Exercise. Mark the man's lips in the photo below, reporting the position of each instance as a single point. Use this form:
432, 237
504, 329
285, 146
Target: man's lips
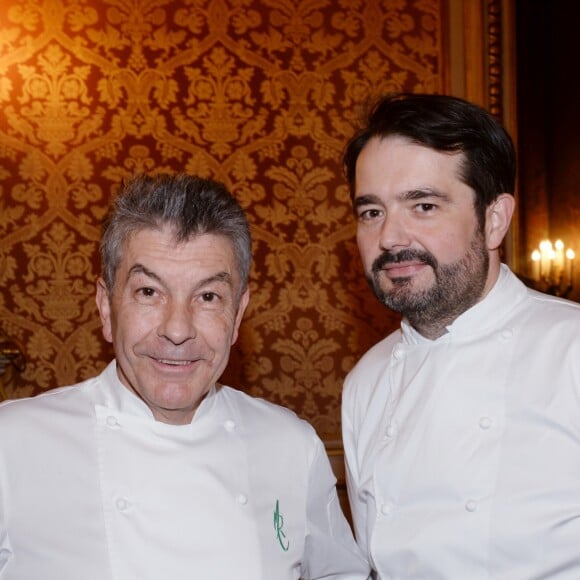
176, 364
403, 269
404, 264
173, 362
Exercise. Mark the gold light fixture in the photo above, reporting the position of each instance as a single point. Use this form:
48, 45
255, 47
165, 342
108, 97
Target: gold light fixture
553, 267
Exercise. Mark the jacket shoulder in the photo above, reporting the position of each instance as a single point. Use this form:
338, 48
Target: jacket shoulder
375, 359
46, 406
261, 414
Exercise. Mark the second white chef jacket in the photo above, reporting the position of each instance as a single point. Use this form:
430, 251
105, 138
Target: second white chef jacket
463, 452
93, 488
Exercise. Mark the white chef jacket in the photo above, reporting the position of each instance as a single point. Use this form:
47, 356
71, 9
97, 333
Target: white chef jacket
463, 453
93, 488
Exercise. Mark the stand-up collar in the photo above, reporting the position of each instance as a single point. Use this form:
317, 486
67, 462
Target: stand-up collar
119, 398
505, 295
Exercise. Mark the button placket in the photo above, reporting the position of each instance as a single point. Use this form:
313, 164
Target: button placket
230, 426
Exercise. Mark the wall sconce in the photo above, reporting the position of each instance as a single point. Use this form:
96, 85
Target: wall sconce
553, 268
10, 355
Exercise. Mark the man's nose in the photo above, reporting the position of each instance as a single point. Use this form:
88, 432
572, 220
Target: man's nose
177, 324
394, 232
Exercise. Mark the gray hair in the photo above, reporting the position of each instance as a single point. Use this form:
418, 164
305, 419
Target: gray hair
190, 205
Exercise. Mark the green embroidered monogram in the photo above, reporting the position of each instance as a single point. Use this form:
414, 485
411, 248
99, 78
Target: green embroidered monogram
278, 526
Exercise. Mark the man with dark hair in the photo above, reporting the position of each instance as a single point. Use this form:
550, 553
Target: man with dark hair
461, 429
153, 470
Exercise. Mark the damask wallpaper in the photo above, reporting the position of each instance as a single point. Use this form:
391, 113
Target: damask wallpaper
259, 94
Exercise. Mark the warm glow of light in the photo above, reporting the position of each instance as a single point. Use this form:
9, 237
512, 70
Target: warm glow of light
553, 265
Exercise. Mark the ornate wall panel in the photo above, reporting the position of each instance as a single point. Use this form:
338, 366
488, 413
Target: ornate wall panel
260, 94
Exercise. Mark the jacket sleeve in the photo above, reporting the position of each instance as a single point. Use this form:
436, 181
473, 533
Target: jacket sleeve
357, 505
6, 552
330, 550
5, 548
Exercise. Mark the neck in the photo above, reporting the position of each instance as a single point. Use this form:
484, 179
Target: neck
431, 331
436, 326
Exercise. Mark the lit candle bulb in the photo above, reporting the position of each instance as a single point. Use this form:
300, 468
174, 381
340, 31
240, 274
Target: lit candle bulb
558, 259
570, 255
536, 257
553, 274
545, 254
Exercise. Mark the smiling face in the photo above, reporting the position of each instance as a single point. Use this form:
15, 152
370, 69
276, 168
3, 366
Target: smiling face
423, 250
172, 317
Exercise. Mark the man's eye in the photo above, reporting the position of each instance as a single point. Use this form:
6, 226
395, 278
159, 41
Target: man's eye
369, 214
425, 207
209, 297
147, 292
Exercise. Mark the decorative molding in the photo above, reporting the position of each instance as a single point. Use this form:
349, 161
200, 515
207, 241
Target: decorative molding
494, 58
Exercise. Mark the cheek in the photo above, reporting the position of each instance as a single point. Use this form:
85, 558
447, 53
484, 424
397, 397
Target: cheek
449, 247
133, 324
217, 332
367, 247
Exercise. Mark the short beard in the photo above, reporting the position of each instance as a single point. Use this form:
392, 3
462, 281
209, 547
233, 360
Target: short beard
457, 287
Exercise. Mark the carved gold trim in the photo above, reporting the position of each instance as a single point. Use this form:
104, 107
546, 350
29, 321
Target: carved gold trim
494, 57
481, 68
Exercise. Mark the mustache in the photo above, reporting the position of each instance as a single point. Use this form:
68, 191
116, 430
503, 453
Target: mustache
406, 255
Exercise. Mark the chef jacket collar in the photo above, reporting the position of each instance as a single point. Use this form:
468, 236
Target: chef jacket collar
118, 397
491, 312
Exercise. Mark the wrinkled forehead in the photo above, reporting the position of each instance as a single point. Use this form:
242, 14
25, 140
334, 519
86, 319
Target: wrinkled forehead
166, 241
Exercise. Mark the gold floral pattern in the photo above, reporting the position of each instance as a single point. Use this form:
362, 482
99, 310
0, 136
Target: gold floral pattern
259, 94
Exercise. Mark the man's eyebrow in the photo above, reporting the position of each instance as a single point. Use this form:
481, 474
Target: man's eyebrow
409, 195
422, 193
224, 277
138, 268
366, 200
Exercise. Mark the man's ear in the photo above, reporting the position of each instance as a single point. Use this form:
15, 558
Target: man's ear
498, 217
104, 306
242, 305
